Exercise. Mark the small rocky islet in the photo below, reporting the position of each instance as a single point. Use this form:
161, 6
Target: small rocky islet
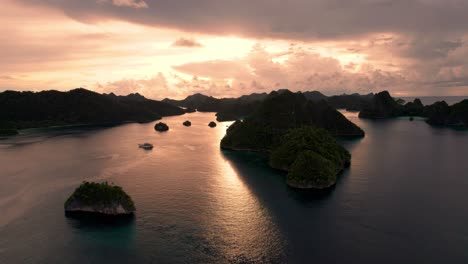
99, 199
212, 124
187, 123
161, 127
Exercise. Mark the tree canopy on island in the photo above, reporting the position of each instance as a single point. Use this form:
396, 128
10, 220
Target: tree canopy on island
102, 194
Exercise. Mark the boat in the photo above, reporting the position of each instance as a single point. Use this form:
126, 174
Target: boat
146, 146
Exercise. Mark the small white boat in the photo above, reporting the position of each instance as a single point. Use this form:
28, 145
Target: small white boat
146, 146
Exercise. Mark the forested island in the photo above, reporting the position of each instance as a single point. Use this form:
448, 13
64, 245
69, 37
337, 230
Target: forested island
296, 134
21, 110
383, 106
370, 106
99, 199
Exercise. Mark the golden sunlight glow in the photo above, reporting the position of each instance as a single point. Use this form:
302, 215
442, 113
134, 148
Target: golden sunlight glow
47, 48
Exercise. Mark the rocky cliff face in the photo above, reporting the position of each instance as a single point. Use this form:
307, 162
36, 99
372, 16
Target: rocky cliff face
99, 208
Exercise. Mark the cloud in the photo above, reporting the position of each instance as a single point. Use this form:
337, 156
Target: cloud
154, 87
411, 46
6, 77
301, 71
125, 3
215, 69
187, 43
296, 19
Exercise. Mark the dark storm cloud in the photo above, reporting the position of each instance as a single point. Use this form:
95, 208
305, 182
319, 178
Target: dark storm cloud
293, 19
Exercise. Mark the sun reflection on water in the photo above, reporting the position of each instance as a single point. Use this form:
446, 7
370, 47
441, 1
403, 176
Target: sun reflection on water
246, 224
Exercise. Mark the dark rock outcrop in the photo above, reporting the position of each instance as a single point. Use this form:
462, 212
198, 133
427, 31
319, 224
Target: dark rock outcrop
382, 106
441, 114
350, 102
314, 96
187, 123
415, 108
212, 124
161, 127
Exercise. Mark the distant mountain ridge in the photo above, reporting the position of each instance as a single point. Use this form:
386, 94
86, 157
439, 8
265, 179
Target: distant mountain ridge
229, 109
372, 106
383, 106
20, 110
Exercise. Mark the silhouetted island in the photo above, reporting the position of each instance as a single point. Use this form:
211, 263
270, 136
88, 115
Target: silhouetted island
8, 132
382, 106
187, 123
280, 112
212, 124
438, 114
20, 110
99, 199
231, 109
161, 127
227, 109
441, 114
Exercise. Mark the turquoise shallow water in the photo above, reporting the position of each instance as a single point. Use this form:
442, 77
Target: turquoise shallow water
402, 201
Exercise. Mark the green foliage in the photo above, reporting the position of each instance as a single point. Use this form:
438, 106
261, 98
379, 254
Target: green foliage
248, 136
312, 170
298, 135
308, 138
282, 111
312, 157
92, 193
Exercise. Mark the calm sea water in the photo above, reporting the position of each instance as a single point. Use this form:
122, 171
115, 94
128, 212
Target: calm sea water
404, 199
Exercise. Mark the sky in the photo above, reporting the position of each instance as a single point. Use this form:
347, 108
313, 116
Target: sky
224, 48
